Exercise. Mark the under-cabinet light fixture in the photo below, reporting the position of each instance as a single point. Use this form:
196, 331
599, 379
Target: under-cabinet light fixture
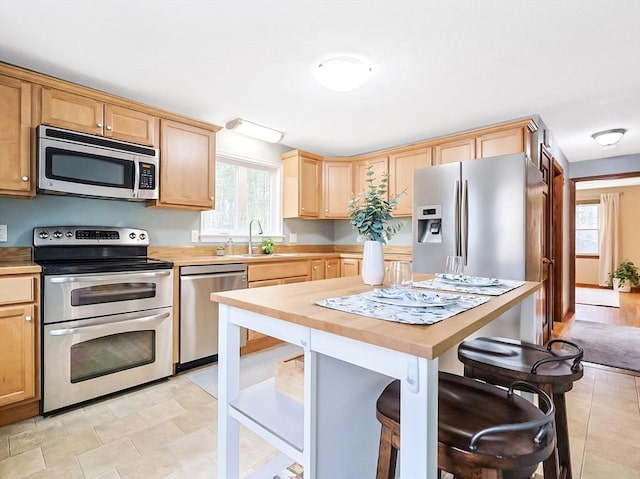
254, 130
609, 137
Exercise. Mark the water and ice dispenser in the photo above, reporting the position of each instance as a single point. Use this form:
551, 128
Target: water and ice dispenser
430, 224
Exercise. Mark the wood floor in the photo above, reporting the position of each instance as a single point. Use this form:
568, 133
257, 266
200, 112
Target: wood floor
628, 314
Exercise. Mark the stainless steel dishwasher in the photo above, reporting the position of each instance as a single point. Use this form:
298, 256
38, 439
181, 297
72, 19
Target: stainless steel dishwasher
199, 315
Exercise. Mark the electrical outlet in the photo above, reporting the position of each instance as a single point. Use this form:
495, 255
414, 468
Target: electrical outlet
3, 233
293, 238
195, 236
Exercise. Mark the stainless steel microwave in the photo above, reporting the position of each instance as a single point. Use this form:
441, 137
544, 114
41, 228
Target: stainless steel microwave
79, 164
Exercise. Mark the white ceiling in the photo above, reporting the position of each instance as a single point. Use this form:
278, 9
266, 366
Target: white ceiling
439, 66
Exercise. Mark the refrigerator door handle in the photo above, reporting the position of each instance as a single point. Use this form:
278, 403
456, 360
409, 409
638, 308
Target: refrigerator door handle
456, 209
464, 223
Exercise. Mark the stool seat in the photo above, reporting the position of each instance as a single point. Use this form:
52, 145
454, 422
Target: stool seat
465, 407
501, 361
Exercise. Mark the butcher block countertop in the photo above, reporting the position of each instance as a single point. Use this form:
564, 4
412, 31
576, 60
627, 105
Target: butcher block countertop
294, 303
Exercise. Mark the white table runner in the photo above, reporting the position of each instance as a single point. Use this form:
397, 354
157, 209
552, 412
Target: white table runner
403, 306
490, 286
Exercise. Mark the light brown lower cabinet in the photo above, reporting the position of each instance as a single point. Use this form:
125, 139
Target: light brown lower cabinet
19, 347
272, 274
332, 268
349, 267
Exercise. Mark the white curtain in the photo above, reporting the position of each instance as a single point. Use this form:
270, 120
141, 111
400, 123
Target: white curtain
609, 236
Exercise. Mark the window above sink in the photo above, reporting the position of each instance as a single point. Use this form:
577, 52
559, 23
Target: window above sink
245, 189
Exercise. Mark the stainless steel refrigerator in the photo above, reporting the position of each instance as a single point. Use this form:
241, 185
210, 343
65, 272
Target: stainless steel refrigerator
489, 211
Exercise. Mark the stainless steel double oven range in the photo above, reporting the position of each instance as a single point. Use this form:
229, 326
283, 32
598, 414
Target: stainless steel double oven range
106, 312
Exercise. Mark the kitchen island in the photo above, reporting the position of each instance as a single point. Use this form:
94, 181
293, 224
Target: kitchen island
348, 360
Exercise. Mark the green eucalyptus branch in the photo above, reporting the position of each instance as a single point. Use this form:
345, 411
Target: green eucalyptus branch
370, 212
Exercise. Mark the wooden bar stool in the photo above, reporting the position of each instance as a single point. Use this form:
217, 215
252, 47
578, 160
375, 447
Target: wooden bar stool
484, 432
501, 361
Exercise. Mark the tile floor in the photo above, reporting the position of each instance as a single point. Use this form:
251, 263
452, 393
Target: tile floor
168, 430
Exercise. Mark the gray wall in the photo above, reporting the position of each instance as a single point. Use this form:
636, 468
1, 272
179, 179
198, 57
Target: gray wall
605, 166
166, 227
343, 233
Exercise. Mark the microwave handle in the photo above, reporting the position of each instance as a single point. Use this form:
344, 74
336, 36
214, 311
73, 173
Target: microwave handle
136, 178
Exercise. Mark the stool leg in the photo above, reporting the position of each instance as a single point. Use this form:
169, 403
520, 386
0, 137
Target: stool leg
562, 431
550, 465
387, 455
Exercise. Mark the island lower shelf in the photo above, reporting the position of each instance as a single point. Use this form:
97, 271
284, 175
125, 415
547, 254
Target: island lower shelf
274, 416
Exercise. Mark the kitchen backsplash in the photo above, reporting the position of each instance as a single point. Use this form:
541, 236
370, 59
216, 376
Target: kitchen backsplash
166, 227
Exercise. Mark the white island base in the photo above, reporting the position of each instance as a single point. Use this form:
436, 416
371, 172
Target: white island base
334, 433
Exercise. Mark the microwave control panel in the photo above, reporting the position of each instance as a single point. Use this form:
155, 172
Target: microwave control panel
147, 176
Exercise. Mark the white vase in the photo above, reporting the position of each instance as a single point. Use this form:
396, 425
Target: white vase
372, 263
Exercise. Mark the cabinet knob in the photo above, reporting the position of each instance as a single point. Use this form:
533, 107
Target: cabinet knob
211, 198
326, 211
25, 178
109, 128
99, 125
302, 209
28, 318
329, 266
315, 266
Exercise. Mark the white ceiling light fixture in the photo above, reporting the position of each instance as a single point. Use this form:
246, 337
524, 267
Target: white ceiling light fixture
343, 73
254, 130
609, 137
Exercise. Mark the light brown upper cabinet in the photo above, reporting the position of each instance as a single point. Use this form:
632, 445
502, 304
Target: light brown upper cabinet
17, 169
401, 168
187, 166
454, 151
379, 165
302, 174
337, 188
81, 113
502, 142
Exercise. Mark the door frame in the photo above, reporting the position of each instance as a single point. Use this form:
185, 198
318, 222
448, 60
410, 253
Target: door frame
572, 229
557, 215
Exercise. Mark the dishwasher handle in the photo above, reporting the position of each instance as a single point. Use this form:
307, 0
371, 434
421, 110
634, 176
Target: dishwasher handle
194, 277
209, 269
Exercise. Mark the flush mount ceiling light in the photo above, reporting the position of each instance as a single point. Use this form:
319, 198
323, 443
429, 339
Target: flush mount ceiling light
254, 130
609, 137
343, 73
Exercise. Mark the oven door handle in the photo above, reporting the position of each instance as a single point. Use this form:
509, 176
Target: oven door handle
98, 327
76, 279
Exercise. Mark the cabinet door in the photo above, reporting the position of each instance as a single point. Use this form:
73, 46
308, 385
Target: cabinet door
310, 184
349, 267
332, 269
17, 349
15, 153
401, 168
379, 166
337, 188
500, 143
454, 151
187, 166
317, 269
130, 125
75, 112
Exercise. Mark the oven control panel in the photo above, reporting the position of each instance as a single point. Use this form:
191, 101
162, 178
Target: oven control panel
89, 235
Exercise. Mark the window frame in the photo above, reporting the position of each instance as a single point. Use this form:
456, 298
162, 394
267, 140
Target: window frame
276, 197
582, 203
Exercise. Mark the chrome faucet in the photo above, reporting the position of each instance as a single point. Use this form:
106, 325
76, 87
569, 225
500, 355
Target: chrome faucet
259, 232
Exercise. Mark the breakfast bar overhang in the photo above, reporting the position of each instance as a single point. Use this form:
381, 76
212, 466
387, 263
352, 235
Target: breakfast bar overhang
348, 360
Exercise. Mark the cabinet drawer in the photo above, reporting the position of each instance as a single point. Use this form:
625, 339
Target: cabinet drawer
259, 272
17, 290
